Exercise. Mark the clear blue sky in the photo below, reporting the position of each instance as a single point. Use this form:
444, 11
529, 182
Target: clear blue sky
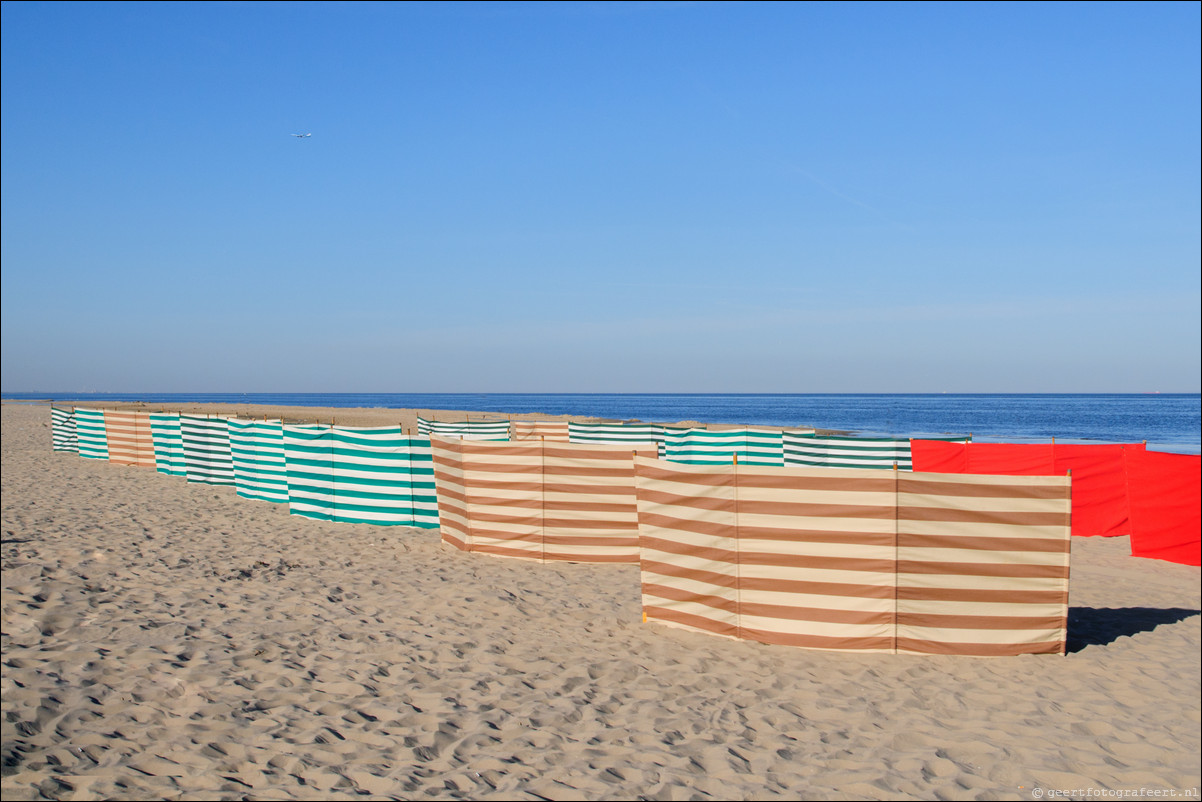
659, 197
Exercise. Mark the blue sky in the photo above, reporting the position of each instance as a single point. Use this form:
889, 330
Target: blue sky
588, 197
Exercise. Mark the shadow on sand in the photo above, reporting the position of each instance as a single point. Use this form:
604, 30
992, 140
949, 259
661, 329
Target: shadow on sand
1098, 626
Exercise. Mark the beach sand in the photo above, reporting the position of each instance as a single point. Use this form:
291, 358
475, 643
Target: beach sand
171, 640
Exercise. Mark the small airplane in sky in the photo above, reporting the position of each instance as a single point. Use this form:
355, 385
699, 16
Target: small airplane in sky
301, 136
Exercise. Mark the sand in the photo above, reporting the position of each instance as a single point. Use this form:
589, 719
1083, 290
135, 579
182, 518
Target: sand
171, 640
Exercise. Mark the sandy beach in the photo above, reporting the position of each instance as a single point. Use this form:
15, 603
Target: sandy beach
171, 640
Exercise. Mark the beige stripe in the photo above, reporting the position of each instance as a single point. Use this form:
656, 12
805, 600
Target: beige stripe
965, 484
920, 501
875, 601
951, 556
952, 530
817, 550
839, 644
783, 526
1017, 605
720, 574
1046, 580
981, 636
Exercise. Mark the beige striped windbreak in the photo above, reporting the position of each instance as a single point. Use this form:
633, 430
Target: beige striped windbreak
538, 500
556, 431
982, 563
129, 438
856, 559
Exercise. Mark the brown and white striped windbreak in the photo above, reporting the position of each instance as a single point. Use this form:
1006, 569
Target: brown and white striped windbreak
556, 431
129, 438
538, 500
857, 559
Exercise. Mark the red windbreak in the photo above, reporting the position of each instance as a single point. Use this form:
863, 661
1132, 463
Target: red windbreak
1166, 505
1012, 459
1100, 504
938, 456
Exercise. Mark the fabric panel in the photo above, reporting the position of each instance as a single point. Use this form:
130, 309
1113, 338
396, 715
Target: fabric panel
687, 538
62, 430
90, 433
555, 431
464, 430
129, 439
983, 564
206, 445
1166, 505
257, 451
168, 442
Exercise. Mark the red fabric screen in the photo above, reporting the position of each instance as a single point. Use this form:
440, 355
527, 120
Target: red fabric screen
1100, 503
938, 456
1100, 500
1166, 505
1013, 459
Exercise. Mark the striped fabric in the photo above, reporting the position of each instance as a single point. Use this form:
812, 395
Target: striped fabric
552, 431
89, 430
538, 500
634, 434
856, 559
490, 496
168, 443
450, 484
309, 466
706, 447
983, 564
206, 443
257, 451
464, 430
62, 430
777, 555
360, 475
820, 451
129, 438
590, 507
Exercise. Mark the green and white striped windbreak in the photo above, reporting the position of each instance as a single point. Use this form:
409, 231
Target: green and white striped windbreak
168, 444
823, 451
631, 434
207, 449
257, 450
704, 447
360, 475
91, 434
464, 430
62, 430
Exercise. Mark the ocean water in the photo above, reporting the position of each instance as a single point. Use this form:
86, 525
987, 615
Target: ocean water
1170, 422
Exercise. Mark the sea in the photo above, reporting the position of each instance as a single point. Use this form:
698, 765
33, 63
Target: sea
1165, 421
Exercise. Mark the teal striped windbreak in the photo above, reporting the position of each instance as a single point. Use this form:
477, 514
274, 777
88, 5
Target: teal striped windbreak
631, 434
360, 475
704, 447
823, 451
90, 433
168, 443
464, 430
62, 430
257, 451
207, 449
